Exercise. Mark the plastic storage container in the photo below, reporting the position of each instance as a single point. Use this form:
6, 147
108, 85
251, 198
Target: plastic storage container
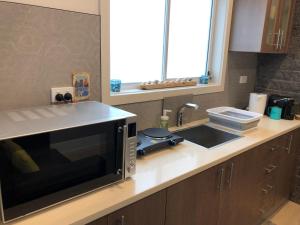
234, 118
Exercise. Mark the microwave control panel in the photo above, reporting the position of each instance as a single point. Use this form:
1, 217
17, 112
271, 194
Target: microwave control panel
130, 160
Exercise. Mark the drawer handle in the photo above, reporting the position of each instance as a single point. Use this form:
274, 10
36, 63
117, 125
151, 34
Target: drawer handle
273, 149
262, 212
270, 169
267, 191
122, 220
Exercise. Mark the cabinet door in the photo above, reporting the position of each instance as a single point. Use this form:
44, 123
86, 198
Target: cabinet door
285, 23
101, 221
271, 37
148, 211
195, 201
239, 204
287, 166
296, 169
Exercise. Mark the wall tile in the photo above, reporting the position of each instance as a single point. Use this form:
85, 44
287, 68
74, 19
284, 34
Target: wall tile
41, 47
148, 113
174, 104
235, 94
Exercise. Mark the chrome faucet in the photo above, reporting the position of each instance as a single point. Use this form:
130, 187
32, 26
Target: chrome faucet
181, 111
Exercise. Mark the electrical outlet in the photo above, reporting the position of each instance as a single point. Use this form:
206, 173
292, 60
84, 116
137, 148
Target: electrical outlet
243, 79
60, 90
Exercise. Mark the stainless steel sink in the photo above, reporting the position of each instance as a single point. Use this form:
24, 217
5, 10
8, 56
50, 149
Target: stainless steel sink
206, 136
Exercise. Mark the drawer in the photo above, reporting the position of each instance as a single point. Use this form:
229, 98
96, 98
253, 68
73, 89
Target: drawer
267, 191
267, 170
266, 202
283, 141
269, 152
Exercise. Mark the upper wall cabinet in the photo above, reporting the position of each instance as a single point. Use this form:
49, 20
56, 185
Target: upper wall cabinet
262, 25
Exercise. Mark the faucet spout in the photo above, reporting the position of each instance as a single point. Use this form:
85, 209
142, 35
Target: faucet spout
181, 111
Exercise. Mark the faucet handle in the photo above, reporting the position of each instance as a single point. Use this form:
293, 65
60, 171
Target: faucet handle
181, 110
192, 105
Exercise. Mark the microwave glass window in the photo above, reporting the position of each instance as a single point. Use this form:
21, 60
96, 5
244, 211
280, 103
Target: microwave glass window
78, 159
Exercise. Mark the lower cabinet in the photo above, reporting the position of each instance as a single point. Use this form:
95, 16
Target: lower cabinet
148, 211
245, 190
195, 200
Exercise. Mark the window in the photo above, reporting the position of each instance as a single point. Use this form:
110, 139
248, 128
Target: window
144, 40
189, 32
159, 39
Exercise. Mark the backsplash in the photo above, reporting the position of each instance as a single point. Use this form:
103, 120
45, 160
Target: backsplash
40, 48
280, 74
235, 94
43, 46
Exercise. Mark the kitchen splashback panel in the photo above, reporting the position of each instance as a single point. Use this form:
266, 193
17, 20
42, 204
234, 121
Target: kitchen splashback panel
40, 49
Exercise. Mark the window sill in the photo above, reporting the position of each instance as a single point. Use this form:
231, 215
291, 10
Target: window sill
137, 95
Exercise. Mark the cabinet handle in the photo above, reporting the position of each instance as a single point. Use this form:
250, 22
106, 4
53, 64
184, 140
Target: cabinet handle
221, 179
278, 39
273, 149
262, 212
122, 220
265, 191
281, 39
231, 175
290, 144
270, 169
270, 187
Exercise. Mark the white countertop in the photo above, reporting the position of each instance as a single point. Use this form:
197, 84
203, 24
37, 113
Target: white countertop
154, 173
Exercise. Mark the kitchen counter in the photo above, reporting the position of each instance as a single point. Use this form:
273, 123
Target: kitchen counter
155, 172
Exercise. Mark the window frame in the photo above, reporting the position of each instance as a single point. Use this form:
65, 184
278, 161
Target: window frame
217, 60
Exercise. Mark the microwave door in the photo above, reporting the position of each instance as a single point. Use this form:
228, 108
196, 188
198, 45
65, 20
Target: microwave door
59, 165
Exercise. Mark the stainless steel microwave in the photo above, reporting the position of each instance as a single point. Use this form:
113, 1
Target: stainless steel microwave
54, 153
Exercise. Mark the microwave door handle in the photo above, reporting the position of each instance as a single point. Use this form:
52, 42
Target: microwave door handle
125, 135
121, 130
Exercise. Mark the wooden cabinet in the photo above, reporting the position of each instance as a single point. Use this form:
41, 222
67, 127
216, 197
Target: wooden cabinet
149, 211
287, 167
244, 190
265, 177
285, 23
195, 201
295, 196
262, 25
230, 194
237, 198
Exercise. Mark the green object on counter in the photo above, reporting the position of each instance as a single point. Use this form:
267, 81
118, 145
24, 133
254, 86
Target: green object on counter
275, 112
164, 119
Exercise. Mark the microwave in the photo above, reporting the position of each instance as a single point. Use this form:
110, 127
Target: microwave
54, 153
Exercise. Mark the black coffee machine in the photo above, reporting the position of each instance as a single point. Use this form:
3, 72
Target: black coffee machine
286, 103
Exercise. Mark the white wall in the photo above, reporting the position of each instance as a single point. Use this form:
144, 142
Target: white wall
85, 6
